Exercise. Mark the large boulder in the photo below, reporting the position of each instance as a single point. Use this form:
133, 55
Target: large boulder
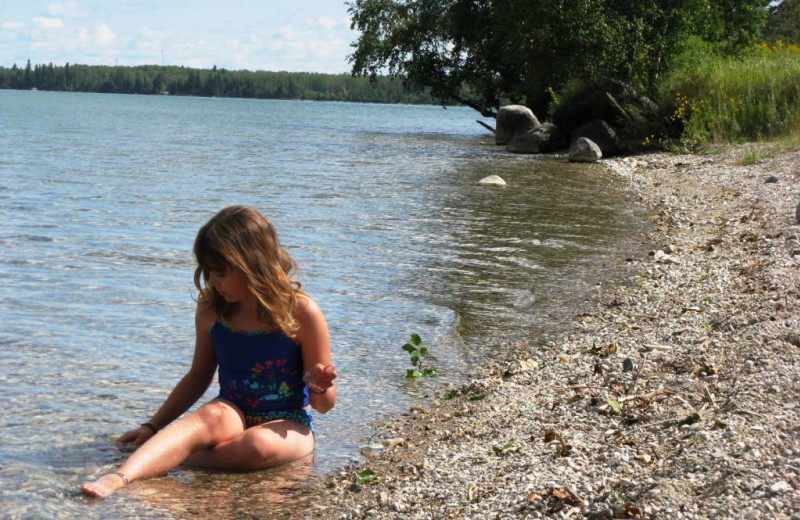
584, 150
514, 120
602, 134
525, 143
550, 138
545, 138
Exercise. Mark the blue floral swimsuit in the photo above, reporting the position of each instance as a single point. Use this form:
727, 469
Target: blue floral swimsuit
262, 374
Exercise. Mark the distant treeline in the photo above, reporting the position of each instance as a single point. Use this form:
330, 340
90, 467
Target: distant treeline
183, 81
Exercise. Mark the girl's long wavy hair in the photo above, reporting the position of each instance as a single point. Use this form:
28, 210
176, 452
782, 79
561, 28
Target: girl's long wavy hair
240, 237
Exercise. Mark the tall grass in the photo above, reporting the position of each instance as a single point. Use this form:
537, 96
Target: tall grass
756, 96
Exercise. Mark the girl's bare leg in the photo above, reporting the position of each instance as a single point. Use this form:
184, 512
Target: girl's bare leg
212, 424
270, 444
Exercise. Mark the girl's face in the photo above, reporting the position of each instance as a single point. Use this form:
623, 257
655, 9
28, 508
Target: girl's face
230, 283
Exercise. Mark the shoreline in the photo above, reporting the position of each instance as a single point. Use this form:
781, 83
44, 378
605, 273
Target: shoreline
674, 393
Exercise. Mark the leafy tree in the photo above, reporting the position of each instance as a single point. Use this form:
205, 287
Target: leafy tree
784, 22
482, 52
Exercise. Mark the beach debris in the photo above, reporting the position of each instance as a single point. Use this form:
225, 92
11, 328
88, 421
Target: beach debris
395, 441
507, 448
563, 449
605, 351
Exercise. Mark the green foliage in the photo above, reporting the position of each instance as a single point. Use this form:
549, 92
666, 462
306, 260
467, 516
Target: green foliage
480, 52
450, 394
506, 449
718, 98
616, 406
417, 353
183, 81
366, 477
750, 158
784, 22
629, 112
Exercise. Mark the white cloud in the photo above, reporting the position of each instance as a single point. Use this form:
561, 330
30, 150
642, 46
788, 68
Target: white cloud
13, 26
153, 34
67, 9
104, 36
324, 23
48, 23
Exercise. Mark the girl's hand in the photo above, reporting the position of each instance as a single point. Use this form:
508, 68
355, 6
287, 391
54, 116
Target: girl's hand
320, 378
136, 437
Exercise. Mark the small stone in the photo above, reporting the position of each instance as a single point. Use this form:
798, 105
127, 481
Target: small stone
780, 487
601, 513
771, 180
729, 434
749, 365
669, 249
615, 459
492, 180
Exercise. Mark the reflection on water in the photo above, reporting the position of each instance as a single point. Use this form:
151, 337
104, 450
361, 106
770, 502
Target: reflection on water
272, 493
100, 199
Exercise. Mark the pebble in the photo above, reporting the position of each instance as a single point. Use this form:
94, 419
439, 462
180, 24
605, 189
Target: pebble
780, 487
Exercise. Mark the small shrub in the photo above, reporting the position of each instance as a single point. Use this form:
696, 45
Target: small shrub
417, 353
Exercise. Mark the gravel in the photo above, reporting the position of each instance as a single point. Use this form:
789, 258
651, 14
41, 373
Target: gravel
675, 394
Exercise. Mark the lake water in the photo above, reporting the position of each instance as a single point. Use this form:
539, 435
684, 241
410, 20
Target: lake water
100, 199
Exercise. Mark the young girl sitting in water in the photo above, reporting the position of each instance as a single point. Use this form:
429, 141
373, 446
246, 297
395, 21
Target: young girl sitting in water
270, 342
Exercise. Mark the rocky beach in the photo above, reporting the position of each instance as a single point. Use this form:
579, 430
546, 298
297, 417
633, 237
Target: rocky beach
674, 394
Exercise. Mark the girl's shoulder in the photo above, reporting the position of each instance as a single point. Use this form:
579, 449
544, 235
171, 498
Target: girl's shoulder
206, 316
306, 309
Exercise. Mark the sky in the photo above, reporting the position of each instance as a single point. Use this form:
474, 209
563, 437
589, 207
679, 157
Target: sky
275, 35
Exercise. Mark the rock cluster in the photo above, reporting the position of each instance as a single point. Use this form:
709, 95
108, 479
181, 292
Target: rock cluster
676, 393
521, 132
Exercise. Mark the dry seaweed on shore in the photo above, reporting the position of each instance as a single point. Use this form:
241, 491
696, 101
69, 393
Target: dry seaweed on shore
674, 395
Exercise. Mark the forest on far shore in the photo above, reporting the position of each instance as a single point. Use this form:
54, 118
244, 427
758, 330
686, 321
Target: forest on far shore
217, 82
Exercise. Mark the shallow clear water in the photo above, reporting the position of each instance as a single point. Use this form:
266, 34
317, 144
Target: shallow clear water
100, 198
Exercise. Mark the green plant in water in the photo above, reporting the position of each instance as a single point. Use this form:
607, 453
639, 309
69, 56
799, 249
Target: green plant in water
417, 352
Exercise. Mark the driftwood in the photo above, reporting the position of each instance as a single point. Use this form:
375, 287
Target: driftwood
489, 128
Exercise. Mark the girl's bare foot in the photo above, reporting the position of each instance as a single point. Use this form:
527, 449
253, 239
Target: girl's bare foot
105, 485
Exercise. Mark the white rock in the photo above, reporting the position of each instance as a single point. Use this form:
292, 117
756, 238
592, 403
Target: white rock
780, 486
492, 180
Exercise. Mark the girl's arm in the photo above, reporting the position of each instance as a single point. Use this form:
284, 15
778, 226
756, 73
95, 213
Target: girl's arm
315, 344
190, 388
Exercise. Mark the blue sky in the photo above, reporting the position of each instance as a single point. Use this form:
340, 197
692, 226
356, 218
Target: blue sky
295, 35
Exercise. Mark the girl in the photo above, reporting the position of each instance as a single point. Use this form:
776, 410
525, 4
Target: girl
270, 342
